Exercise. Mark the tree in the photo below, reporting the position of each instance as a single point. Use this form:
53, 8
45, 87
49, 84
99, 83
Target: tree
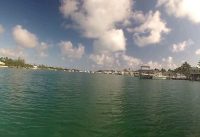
15, 62
163, 70
169, 70
184, 69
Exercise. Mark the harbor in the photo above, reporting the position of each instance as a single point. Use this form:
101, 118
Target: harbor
184, 72
99, 68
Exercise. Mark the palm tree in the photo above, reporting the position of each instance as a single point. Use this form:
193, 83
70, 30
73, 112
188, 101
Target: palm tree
184, 69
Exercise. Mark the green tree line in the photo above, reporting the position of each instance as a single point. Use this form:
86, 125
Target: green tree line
15, 62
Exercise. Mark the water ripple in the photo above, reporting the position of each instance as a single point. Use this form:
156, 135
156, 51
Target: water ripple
60, 104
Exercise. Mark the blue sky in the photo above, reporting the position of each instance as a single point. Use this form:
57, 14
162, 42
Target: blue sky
101, 34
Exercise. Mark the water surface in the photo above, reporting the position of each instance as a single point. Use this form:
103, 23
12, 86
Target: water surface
60, 104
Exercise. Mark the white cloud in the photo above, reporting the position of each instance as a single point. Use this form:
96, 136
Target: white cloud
120, 60
151, 30
130, 62
189, 9
68, 7
98, 18
42, 49
1, 29
100, 21
69, 51
181, 46
197, 52
24, 38
11, 53
168, 63
117, 60
154, 65
102, 59
112, 40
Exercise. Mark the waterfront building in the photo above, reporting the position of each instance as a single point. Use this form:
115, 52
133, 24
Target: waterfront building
195, 74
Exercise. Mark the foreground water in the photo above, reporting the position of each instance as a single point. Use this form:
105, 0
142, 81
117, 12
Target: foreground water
60, 104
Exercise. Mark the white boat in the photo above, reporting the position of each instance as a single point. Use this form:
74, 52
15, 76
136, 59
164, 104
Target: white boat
159, 76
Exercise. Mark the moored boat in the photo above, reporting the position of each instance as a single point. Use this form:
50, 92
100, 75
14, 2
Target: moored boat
159, 76
145, 72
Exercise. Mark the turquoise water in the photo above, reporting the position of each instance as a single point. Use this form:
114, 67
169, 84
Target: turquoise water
60, 104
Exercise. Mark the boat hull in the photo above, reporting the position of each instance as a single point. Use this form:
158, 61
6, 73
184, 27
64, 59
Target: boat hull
146, 77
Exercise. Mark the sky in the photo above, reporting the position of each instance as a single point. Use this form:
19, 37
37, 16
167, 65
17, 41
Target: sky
101, 34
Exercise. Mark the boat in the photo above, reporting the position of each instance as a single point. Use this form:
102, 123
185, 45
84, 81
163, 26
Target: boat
145, 76
145, 72
159, 76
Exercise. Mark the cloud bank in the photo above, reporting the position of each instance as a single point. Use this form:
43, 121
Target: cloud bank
117, 60
12, 53
167, 63
103, 22
98, 19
